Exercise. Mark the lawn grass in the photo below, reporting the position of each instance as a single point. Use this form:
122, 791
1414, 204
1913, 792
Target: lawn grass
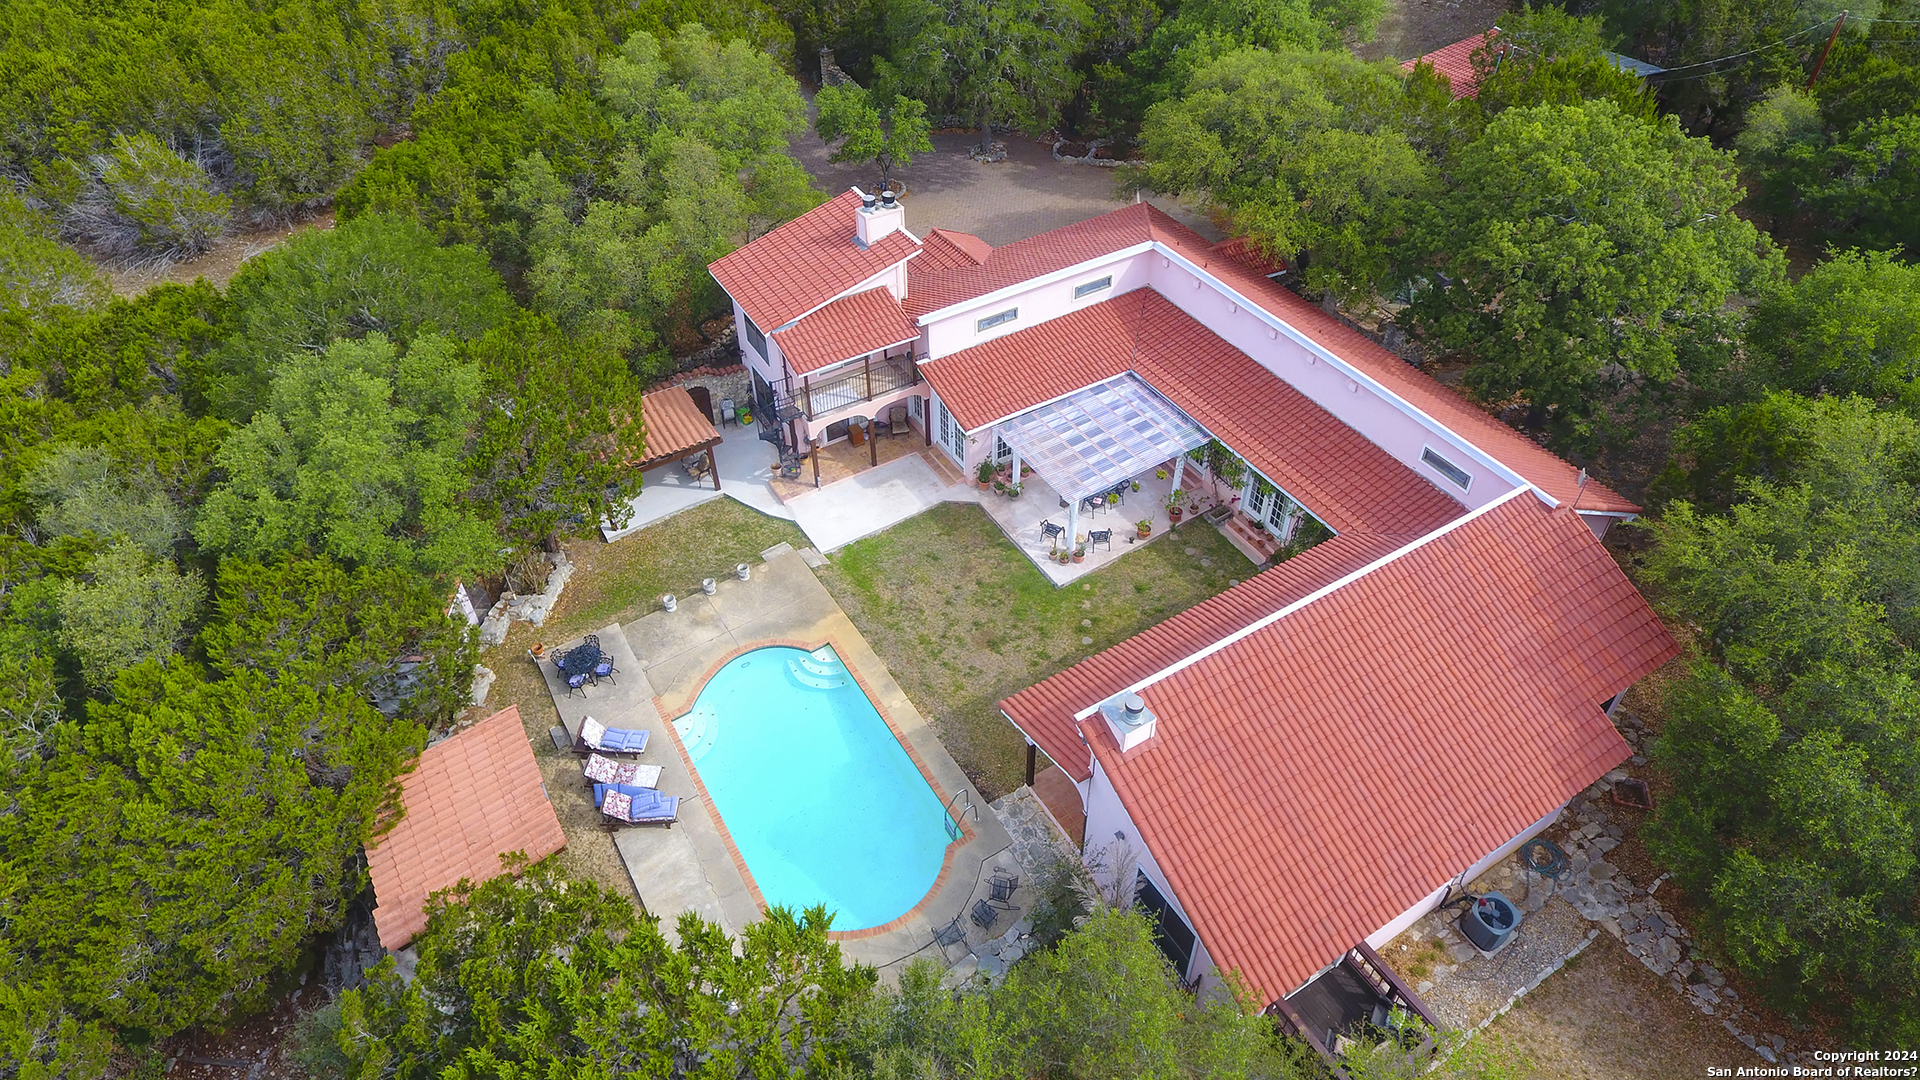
963, 619
621, 581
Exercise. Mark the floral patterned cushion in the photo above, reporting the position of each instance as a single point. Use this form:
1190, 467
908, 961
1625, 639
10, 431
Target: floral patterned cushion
592, 732
617, 806
602, 770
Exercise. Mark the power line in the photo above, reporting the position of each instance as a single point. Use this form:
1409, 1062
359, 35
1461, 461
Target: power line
1662, 76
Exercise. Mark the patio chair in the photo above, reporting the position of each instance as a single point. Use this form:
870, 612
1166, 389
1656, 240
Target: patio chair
605, 670
985, 914
1052, 533
597, 737
600, 770
894, 423
1001, 885
1100, 536
620, 809
951, 934
631, 791
728, 414
576, 681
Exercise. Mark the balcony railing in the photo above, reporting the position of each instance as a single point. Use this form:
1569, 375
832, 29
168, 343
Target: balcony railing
814, 398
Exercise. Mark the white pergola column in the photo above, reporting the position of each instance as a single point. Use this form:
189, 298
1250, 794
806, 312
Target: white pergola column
1016, 464
1073, 524
1179, 469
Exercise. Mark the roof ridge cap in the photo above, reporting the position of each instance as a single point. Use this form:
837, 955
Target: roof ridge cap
1325, 590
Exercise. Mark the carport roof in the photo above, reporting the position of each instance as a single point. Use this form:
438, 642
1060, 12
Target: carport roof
1107, 434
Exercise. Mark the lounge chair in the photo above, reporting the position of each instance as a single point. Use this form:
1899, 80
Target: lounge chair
622, 809
632, 791
596, 736
600, 770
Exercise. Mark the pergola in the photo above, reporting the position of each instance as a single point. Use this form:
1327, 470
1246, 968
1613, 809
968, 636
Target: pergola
1090, 442
676, 428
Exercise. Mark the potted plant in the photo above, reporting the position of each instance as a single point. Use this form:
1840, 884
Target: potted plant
984, 474
539, 650
1113, 498
1145, 527
1013, 491
1173, 504
1158, 474
1079, 554
1136, 486
999, 485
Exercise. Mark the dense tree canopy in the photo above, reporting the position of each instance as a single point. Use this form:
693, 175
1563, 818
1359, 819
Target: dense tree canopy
887, 132
1792, 745
373, 275
990, 62
1310, 153
1576, 246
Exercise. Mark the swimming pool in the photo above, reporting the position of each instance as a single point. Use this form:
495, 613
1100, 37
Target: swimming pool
821, 799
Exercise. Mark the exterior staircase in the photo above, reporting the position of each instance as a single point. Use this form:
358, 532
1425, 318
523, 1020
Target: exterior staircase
1253, 541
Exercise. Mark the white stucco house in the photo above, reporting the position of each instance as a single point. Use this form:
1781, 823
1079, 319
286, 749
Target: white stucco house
1295, 770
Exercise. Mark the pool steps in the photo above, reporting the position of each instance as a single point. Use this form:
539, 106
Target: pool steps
698, 732
821, 670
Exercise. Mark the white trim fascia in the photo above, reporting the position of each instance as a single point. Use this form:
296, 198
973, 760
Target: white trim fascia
1261, 624
1091, 760
850, 359
868, 285
1626, 514
1026, 284
1408, 408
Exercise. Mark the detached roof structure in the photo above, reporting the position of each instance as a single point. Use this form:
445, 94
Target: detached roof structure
1380, 725
675, 426
1455, 61
471, 798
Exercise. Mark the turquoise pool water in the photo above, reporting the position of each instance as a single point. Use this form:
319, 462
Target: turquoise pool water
821, 799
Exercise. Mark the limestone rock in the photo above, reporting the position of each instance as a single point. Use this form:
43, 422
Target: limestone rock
482, 683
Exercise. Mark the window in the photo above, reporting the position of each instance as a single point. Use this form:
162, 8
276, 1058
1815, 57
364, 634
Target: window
1093, 286
754, 336
1445, 468
981, 326
1170, 932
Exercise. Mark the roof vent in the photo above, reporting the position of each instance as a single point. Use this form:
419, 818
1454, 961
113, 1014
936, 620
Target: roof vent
1130, 719
867, 201
887, 198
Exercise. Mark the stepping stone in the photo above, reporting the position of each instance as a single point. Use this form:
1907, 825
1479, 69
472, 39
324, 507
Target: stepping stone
562, 741
776, 551
811, 557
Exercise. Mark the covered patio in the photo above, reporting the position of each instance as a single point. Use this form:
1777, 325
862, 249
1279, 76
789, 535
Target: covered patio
1094, 464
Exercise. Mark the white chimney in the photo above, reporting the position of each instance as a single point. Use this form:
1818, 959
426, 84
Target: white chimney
1130, 720
877, 217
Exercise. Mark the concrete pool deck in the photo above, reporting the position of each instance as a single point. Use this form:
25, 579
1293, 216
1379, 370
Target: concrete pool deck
665, 658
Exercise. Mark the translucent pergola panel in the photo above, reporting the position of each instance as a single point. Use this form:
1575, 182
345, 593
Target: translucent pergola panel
1102, 436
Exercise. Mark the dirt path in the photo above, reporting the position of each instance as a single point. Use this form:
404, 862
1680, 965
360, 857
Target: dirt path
218, 265
1604, 1016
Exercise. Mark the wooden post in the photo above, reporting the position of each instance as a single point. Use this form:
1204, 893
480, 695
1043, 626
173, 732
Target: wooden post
813, 451
713, 468
866, 365
806, 387
1822, 62
873, 445
1031, 755
926, 419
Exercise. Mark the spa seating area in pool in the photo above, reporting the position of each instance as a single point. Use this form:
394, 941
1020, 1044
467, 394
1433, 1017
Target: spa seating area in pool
818, 713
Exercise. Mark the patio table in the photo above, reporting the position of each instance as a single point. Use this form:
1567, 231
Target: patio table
581, 659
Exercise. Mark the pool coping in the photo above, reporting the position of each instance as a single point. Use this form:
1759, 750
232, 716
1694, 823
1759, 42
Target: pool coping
947, 857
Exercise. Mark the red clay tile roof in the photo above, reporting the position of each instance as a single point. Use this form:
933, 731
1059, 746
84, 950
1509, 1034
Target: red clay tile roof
675, 425
1045, 710
932, 289
805, 263
1341, 476
1455, 61
470, 799
850, 326
1315, 779
947, 250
